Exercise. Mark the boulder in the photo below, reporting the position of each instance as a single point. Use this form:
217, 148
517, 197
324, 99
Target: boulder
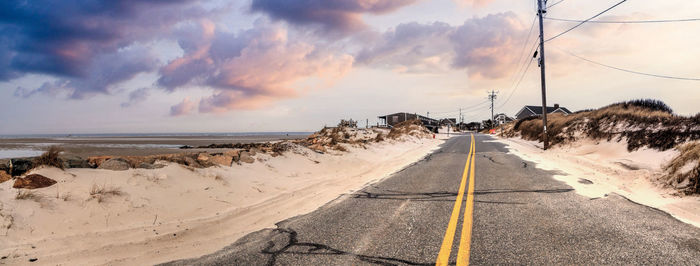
221, 160
246, 157
75, 162
96, 161
5, 165
4, 176
115, 164
253, 151
189, 161
21, 166
203, 158
33, 181
233, 152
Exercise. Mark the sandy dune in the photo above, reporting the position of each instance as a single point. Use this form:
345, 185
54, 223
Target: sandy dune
596, 169
149, 216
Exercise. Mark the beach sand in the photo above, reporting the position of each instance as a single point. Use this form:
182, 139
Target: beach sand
140, 216
597, 168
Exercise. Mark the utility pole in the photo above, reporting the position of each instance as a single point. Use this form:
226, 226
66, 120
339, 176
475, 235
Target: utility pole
492, 97
541, 6
461, 120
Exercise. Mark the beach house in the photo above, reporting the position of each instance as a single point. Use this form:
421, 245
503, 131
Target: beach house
533, 110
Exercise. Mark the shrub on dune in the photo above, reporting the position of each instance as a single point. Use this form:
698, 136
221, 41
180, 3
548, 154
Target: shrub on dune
642, 123
684, 171
50, 158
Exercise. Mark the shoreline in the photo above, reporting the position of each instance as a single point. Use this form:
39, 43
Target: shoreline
215, 205
126, 145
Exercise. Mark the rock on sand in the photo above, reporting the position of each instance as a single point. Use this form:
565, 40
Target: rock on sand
4, 176
115, 164
33, 181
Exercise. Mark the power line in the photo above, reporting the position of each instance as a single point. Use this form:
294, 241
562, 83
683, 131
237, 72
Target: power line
521, 63
522, 75
548, 7
472, 107
627, 70
517, 84
584, 21
628, 21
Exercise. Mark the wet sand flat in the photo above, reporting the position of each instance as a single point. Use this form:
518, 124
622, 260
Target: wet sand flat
128, 146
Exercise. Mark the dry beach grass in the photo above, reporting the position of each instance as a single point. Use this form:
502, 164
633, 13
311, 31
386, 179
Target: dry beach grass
638, 123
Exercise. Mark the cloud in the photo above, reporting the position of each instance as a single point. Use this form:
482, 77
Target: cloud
72, 39
331, 15
473, 3
183, 108
135, 97
251, 69
103, 72
486, 47
413, 47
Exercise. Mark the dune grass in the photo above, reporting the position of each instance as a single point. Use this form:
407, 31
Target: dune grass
685, 168
642, 123
100, 193
50, 158
24, 194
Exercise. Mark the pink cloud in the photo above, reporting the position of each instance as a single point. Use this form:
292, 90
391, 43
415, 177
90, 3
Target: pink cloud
182, 108
485, 46
473, 3
251, 69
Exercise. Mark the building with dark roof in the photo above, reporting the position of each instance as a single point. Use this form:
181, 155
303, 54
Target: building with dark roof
532, 110
392, 119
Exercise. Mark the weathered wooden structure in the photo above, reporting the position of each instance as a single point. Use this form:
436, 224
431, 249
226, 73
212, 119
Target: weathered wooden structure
392, 119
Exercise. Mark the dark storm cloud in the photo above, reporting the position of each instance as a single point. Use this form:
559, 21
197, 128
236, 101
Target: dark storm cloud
70, 38
331, 15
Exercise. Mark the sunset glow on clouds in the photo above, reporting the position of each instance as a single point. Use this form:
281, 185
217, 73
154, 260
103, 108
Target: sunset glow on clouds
192, 58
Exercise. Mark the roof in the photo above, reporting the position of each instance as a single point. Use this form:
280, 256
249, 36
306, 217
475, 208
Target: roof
538, 109
411, 114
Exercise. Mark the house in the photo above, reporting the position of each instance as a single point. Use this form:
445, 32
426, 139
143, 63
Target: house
531, 110
452, 122
503, 119
473, 126
393, 119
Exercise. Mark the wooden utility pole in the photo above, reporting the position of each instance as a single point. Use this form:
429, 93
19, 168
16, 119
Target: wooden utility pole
541, 9
492, 97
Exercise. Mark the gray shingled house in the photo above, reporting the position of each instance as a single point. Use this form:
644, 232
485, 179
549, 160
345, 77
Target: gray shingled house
532, 110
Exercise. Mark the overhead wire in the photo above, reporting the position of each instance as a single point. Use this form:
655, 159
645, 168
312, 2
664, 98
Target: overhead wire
522, 75
464, 109
549, 6
627, 70
627, 21
584, 21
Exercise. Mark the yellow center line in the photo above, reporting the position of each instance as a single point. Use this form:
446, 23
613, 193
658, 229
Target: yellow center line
446, 248
466, 238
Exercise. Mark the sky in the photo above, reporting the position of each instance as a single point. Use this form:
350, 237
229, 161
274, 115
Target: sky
153, 66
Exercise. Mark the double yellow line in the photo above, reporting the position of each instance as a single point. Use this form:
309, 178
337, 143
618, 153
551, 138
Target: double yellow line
465, 238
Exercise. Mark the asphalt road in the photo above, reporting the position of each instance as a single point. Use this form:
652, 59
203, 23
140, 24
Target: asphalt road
520, 216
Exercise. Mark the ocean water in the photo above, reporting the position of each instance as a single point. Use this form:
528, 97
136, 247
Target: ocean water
130, 135
18, 153
15, 146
